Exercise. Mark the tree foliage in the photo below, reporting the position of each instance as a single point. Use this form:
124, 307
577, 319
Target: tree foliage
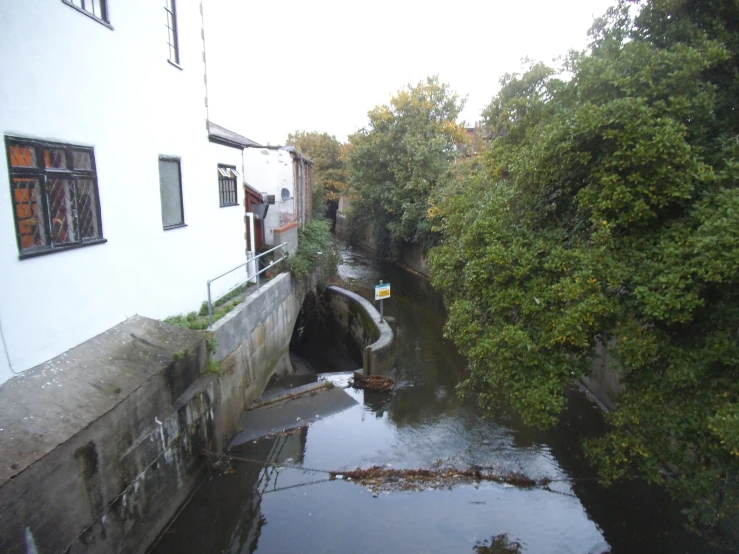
329, 172
607, 210
395, 163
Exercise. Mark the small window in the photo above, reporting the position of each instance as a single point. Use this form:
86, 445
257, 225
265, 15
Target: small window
227, 185
170, 187
96, 8
54, 194
172, 42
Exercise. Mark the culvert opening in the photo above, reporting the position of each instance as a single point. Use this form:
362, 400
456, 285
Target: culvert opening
319, 342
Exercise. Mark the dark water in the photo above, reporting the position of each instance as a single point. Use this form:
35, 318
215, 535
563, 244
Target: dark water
277, 503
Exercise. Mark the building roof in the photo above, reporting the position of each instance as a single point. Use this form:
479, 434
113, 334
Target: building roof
291, 149
295, 152
221, 135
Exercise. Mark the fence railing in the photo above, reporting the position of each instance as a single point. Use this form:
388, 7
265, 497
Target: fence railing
255, 272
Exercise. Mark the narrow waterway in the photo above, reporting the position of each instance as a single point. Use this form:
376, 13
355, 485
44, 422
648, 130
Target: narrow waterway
279, 502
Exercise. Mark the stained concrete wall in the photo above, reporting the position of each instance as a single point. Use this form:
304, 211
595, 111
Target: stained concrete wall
415, 258
102, 444
253, 344
604, 382
363, 326
96, 438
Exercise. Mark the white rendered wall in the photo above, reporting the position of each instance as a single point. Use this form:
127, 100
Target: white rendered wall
269, 171
65, 77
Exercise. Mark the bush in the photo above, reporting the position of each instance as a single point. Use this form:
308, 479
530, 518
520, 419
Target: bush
317, 251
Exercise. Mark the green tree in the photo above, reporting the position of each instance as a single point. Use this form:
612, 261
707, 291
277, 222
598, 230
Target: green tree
329, 172
607, 210
395, 163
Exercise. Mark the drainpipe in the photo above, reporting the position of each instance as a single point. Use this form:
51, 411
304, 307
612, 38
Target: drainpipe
251, 248
302, 193
205, 64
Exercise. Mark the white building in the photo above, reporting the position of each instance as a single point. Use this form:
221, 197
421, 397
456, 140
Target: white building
117, 196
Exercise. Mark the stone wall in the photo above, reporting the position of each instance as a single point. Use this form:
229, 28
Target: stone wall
362, 326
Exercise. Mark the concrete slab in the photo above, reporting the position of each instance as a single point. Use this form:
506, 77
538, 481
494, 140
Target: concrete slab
278, 395
49, 404
292, 414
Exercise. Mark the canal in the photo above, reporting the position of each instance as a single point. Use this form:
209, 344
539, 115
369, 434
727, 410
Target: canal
277, 497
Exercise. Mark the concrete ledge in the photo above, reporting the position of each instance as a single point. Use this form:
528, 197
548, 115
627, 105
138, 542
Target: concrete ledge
359, 318
243, 320
95, 438
281, 396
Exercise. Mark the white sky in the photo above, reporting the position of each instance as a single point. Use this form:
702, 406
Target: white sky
321, 65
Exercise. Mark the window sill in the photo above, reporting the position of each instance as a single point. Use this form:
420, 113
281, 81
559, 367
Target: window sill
229, 205
37, 253
88, 14
170, 62
178, 226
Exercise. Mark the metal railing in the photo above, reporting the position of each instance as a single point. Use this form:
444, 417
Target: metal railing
249, 276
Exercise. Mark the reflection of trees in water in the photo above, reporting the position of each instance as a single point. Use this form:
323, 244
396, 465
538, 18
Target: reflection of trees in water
425, 359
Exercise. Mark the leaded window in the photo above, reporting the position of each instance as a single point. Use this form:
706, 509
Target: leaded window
227, 185
54, 195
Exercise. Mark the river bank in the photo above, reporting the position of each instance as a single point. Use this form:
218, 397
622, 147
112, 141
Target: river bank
280, 502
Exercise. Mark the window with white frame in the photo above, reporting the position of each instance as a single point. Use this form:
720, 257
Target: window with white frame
172, 40
96, 8
227, 185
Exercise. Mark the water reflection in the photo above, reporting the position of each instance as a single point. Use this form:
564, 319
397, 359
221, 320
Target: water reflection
283, 509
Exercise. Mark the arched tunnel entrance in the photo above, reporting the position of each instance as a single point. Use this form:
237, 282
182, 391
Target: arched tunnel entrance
318, 343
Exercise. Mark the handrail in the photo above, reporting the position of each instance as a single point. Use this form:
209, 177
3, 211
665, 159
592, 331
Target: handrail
248, 277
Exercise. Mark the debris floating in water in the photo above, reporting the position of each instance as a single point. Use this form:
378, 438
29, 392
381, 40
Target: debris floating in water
382, 479
376, 383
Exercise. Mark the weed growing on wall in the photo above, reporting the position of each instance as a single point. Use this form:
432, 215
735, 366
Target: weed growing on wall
317, 252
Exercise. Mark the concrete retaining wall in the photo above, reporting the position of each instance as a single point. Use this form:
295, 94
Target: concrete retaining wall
102, 445
253, 344
363, 326
604, 382
415, 258
289, 234
94, 440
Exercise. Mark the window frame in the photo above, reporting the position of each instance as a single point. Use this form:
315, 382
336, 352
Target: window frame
105, 20
42, 173
223, 180
177, 160
173, 29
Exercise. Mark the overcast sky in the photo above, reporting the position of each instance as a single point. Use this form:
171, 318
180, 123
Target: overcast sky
321, 65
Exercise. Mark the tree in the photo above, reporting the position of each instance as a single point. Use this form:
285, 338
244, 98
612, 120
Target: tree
329, 172
607, 210
396, 162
